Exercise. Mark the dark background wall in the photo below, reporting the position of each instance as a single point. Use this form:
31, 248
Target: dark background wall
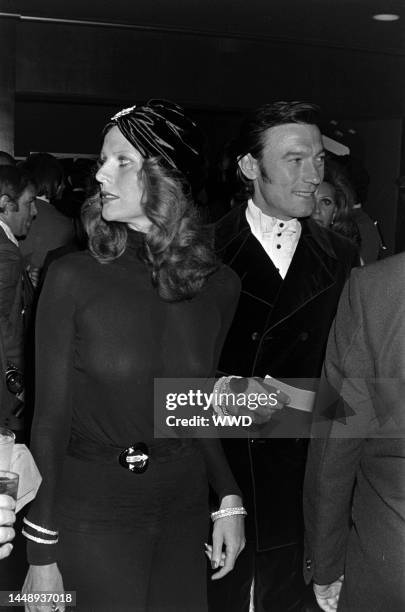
60, 82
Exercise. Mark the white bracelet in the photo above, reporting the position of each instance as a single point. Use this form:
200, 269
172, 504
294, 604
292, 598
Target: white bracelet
228, 512
221, 387
38, 540
39, 528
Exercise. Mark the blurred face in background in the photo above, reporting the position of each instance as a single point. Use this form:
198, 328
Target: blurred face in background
120, 178
20, 220
325, 204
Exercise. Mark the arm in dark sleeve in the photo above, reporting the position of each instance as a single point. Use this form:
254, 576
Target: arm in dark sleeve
219, 473
340, 423
53, 402
10, 306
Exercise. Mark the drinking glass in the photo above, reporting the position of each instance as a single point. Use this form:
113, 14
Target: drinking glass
9, 483
7, 439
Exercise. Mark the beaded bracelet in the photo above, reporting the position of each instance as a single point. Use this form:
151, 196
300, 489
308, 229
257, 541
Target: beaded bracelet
228, 512
221, 387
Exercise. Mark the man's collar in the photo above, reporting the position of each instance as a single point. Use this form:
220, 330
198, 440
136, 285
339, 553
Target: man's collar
262, 223
310, 229
8, 232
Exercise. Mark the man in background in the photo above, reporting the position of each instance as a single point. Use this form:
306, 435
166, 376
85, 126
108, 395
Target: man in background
17, 211
52, 228
354, 496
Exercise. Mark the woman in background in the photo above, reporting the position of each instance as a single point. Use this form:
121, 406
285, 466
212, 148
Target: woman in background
334, 203
121, 517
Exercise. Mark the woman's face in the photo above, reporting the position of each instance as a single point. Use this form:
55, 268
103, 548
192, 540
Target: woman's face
121, 184
325, 204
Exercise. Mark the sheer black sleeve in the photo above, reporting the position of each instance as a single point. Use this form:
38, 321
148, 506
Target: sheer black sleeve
52, 419
219, 472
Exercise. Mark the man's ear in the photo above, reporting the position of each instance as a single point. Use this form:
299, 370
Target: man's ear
249, 166
5, 203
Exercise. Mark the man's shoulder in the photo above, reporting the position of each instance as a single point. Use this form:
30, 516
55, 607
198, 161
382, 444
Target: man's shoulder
49, 214
7, 246
230, 226
385, 271
335, 245
4, 238
225, 280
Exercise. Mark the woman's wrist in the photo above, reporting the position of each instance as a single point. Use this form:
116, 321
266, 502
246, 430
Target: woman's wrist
38, 533
230, 501
231, 505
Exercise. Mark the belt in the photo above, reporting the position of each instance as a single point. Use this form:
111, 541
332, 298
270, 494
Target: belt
134, 458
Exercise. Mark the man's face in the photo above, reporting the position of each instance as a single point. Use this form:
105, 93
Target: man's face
20, 220
290, 169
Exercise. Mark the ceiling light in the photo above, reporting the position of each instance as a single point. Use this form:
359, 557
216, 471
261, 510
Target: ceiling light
386, 17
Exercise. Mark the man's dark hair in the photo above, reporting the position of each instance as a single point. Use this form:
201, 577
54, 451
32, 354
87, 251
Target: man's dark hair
46, 172
6, 159
253, 130
13, 181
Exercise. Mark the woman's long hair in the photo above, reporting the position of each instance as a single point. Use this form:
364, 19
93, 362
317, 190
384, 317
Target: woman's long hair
177, 248
343, 222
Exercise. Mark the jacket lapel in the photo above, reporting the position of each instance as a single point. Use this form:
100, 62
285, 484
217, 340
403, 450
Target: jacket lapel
246, 256
311, 272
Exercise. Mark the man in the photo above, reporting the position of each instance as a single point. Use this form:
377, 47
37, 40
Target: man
354, 497
6, 159
292, 273
17, 210
52, 229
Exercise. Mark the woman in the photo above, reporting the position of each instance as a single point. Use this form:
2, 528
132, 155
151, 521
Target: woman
148, 301
334, 203
7, 519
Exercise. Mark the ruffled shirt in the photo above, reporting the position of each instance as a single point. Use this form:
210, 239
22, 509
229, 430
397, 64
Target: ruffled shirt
279, 238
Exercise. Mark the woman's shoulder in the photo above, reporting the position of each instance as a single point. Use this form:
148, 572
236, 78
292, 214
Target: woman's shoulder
225, 280
75, 259
71, 266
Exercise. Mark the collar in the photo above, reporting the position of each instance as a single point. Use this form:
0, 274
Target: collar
263, 224
233, 229
9, 233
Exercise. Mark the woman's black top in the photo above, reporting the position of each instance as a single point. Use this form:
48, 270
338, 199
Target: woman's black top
103, 335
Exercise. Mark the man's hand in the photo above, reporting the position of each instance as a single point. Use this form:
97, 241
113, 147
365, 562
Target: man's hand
327, 595
261, 400
7, 518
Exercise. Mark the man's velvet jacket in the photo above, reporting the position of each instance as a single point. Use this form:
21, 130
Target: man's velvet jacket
280, 329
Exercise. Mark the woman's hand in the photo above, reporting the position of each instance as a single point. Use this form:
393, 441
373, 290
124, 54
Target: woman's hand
327, 595
43, 578
7, 518
228, 539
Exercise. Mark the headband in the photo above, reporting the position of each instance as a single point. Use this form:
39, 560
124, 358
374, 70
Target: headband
161, 129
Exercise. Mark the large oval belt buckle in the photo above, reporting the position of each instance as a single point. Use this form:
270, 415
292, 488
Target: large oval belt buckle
135, 458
